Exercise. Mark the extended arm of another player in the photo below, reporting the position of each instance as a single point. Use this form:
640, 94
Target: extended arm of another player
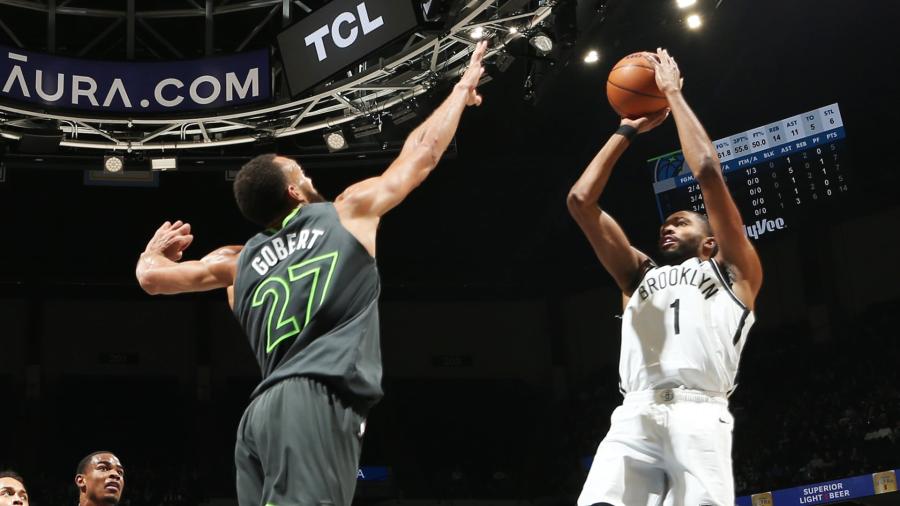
421, 152
159, 272
607, 238
734, 246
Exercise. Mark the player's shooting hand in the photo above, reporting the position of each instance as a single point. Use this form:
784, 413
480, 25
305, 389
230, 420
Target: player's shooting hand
668, 76
170, 240
472, 76
647, 123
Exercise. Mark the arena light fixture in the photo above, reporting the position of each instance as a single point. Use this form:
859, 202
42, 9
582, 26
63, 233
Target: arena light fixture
335, 141
367, 127
592, 56
513, 30
404, 113
164, 163
477, 33
684, 4
542, 42
113, 163
694, 21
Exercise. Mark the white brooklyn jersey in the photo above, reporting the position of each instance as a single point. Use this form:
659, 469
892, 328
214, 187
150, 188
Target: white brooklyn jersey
683, 326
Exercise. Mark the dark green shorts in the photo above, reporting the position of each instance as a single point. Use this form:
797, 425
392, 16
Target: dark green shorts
298, 444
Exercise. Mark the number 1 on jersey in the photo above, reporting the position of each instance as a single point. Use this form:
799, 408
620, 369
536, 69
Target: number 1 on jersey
676, 306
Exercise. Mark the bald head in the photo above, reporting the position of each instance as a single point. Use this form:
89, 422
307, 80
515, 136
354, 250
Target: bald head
100, 479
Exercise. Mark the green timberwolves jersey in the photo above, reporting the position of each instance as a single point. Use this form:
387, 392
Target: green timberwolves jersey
307, 298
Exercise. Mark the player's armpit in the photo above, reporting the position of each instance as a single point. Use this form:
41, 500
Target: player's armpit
610, 244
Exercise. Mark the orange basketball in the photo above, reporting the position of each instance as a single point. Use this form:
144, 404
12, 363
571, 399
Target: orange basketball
631, 87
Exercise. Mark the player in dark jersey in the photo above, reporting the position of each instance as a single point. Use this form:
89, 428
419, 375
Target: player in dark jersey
12, 489
100, 479
305, 290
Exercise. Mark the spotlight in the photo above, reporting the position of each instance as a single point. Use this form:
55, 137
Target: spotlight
684, 4
169, 163
694, 21
477, 33
542, 42
335, 141
367, 128
592, 57
113, 163
513, 30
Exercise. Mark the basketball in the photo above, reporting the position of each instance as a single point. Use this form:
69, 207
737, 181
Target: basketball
631, 87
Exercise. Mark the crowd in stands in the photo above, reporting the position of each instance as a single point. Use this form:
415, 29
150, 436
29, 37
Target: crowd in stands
810, 406
831, 410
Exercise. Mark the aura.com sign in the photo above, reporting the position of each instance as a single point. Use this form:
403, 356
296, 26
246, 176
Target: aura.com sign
135, 86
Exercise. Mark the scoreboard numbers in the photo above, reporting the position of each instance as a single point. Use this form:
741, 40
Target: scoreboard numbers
773, 171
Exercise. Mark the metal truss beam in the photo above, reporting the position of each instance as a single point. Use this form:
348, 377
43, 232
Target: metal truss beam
414, 71
197, 11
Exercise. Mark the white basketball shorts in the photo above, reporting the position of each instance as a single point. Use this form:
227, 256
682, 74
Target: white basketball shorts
664, 447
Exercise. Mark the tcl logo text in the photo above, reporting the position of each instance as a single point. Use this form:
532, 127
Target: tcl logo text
344, 30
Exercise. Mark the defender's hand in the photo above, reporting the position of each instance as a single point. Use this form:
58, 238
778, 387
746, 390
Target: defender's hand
668, 76
170, 240
647, 123
470, 78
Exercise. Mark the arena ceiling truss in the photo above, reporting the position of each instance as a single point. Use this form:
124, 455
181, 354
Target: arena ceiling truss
426, 59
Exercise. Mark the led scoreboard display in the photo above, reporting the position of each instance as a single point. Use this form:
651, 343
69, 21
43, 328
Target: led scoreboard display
772, 171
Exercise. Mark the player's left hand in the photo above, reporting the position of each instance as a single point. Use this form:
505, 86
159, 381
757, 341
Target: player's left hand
668, 76
647, 123
170, 240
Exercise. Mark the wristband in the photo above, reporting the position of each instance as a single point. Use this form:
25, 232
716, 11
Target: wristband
627, 131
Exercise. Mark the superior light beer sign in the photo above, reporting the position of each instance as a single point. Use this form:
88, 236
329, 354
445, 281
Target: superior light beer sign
57, 82
829, 492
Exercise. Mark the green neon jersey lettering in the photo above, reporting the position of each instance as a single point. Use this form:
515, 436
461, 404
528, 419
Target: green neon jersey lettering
279, 290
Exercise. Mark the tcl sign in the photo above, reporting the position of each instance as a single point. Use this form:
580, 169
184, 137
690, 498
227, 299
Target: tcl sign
338, 35
345, 18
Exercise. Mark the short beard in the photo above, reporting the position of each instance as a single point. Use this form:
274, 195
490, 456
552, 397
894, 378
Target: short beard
684, 251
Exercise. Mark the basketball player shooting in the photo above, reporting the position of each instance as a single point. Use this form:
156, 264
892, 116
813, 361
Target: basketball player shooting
305, 291
684, 324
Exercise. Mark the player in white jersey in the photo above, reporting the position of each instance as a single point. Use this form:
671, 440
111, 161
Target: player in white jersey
684, 325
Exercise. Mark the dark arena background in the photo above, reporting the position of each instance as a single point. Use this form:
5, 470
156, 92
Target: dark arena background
500, 329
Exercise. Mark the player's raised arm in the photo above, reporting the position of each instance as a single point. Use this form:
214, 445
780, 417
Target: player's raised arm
160, 271
607, 238
735, 248
421, 152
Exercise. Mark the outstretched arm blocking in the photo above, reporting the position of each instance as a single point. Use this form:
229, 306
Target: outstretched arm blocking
421, 152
